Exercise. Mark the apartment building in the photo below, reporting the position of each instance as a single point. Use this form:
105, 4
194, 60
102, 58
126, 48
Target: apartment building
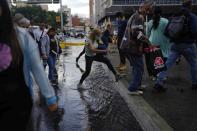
105, 9
67, 11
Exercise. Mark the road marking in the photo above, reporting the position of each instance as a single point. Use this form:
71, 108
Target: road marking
64, 44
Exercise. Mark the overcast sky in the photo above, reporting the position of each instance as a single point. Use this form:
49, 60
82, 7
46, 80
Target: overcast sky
80, 7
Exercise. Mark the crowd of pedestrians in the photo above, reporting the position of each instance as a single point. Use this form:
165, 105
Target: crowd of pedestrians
25, 54
136, 34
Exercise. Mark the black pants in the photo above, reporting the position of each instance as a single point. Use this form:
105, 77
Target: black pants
15, 108
83, 52
99, 58
121, 53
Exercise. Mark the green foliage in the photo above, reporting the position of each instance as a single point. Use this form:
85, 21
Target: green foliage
36, 15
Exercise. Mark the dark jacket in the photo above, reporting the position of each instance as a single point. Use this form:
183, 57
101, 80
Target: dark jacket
122, 24
106, 38
134, 38
54, 47
186, 35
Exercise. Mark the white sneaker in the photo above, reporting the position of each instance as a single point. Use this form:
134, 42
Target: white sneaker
142, 87
137, 92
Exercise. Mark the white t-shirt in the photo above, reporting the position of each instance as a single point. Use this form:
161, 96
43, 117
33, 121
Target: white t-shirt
88, 51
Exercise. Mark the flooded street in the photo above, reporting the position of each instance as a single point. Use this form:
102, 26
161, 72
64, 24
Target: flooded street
97, 108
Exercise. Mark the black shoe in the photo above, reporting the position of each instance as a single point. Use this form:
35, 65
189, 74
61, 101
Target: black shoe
56, 76
178, 61
77, 59
54, 82
117, 77
194, 86
159, 89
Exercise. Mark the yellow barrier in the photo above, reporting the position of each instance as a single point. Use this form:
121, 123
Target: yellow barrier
64, 44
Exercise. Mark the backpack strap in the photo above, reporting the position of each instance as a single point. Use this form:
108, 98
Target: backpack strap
41, 35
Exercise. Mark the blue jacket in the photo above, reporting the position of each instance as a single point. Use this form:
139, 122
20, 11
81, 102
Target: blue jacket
32, 67
106, 38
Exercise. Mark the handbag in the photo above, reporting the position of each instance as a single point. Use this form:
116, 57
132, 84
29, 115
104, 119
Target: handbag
155, 62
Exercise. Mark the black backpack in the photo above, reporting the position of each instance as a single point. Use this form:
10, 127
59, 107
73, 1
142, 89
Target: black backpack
193, 24
176, 27
39, 43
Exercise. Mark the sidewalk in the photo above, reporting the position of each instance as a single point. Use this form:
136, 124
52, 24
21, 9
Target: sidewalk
177, 106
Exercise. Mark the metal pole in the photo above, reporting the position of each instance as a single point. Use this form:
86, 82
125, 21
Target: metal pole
61, 13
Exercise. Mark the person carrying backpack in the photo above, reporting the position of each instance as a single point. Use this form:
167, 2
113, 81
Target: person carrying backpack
45, 49
183, 45
39, 33
43, 41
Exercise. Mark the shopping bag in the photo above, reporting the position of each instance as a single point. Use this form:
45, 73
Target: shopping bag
154, 60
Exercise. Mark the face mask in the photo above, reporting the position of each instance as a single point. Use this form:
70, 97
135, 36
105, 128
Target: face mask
5, 56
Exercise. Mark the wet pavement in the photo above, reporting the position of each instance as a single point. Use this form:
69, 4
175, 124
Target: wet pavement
178, 105
106, 108
98, 108
74, 117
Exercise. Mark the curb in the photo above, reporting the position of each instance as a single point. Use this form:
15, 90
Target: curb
147, 117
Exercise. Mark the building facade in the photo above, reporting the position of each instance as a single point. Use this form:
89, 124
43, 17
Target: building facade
76, 21
91, 11
67, 11
106, 9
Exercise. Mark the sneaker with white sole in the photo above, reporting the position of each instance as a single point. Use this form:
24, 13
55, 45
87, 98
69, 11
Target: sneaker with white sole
137, 92
117, 77
142, 87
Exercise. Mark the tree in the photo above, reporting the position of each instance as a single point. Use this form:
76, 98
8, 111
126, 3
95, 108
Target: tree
36, 15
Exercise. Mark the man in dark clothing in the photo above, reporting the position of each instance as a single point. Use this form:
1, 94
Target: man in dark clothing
135, 37
106, 37
183, 46
122, 24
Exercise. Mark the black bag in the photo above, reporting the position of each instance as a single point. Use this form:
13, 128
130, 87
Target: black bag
175, 27
193, 24
154, 60
40, 44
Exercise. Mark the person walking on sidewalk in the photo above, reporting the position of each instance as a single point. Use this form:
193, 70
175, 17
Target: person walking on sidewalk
155, 33
184, 45
53, 53
45, 48
91, 52
122, 24
134, 35
106, 36
21, 21
19, 62
83, 51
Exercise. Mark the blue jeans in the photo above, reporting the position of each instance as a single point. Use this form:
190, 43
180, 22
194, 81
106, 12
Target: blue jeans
189, 51
51, 63
137, 71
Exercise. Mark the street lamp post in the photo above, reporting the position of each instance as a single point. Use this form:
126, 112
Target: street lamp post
61, 13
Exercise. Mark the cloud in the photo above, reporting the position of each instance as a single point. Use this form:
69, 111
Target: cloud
78, 6
77, 3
